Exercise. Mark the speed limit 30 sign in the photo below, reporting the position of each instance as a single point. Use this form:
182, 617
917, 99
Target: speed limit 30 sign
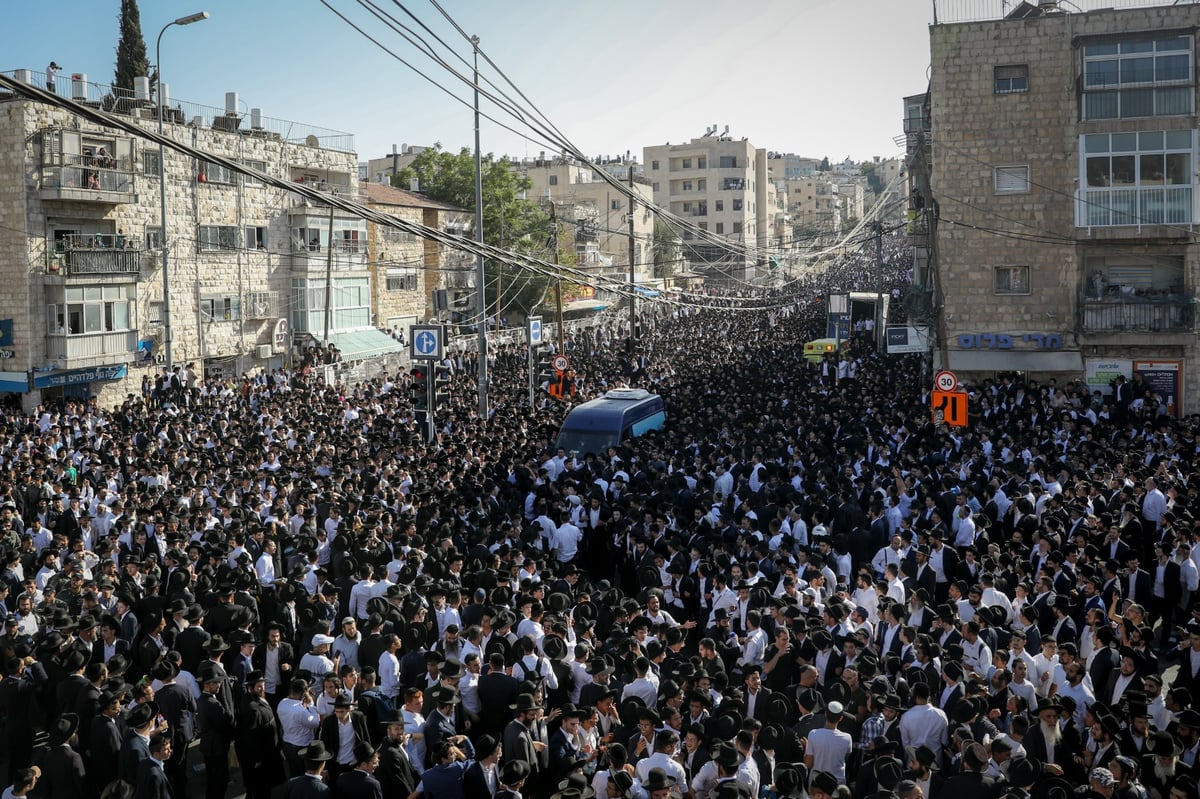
945, 381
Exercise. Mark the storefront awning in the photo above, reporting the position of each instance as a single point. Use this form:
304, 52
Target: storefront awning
358, 345
1001, 361
17, 382
645, 292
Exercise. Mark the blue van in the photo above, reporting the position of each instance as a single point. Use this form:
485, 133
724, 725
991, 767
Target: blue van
608, 421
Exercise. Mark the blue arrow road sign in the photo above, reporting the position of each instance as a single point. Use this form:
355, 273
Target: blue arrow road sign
426, 343
535, 331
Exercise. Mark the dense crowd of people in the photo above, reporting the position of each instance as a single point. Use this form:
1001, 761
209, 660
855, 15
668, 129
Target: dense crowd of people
800, 587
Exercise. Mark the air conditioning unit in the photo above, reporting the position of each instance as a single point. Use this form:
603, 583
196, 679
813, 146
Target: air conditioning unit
263, 352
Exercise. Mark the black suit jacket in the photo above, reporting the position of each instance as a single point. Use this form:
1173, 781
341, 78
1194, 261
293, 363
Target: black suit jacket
105, 748
62, 769
497, 691
357, 784
331, 737
306, 787
215, 726
396, 772
152, 782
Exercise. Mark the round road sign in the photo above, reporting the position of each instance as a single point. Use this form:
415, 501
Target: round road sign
561, 363
945, 381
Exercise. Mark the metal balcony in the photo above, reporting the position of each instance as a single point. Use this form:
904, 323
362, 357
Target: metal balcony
1148, 205
1171, 313
95, 254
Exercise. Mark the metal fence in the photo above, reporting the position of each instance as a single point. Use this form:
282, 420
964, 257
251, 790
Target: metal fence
123, 101
951, 11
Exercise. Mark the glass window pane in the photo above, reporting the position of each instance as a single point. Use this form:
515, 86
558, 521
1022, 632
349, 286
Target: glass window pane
1144, 46
74, 295
1178, 43
1098, 173
91, 317
1153, 168
1124, 143
1179, 169
1100, 105
1100, 49
1172, 67
75, 319
1137, 103
1123, 170
1150, 140
1179, 140
1100, 73
91, 293
1173, 101
121, 315
1095, 143
1137, 70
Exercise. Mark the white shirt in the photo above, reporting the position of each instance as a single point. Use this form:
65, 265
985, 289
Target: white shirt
664, 762
829, 749
298, 724
924, 724
389, 675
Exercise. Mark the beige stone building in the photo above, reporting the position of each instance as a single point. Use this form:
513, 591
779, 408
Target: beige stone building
721, 185
406, 269
380, 170
1064, 172
80, 248
600, 214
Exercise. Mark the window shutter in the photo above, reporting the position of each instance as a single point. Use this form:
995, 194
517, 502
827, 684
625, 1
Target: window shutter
1010, 179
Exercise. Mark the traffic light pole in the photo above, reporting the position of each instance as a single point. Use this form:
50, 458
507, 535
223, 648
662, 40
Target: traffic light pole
430, 423
531, 367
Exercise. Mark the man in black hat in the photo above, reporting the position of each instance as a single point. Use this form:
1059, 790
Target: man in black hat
258, 741
360, 782
178, 707
513, 775
518, 741
104, 741
311, 784
141, 723
439, 725
63, 773
340, 731
152, 780
396, 772
216, 725
497, 692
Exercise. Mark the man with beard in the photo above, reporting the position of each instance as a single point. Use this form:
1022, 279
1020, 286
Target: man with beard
1160, 764
1049, 744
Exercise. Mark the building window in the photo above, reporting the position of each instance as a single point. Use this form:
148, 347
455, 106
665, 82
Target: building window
256, 237
154, 239
215, 173
737, 227
1011, 179
701, 185
92, 309
150, 163
261, 166
1010, 280
554, 180
615, 205
704, 226
720, 205
154, 312
401, 280
701, 163
654, 186
702, 208
687, 185
1011, 79
687, 163
687, 208
220, 307
1141, 77
728, 162
212, 238
720, 227
654, 165
1137, 178
737, 205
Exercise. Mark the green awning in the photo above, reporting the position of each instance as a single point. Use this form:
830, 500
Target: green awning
358, 345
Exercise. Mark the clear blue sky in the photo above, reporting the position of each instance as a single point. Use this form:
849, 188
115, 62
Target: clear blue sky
815, 77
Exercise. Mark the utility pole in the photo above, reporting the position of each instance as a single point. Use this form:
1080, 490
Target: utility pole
557, 278
632, 267
329, 278
481, 306
879, 333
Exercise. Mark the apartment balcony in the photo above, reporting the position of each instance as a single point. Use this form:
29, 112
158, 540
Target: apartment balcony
84, 179
348, 256
107, 347
1131, 313
96, 254
1136, 207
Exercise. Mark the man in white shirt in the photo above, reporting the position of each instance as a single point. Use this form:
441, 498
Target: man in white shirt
298, 721
829, 747
389, 669
923, 723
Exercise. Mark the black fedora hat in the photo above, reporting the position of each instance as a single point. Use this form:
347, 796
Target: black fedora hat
63, 728
524, 702
315, 751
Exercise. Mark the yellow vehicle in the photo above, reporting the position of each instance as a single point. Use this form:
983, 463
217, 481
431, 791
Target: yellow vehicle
817, 349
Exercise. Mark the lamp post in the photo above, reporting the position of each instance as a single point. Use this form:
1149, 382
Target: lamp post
162, 180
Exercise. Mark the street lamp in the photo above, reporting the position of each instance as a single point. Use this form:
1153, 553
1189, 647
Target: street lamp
162, 179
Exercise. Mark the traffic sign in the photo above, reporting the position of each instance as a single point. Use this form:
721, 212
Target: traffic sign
535, 330
426, 342
561, 363
945, 381
949, 407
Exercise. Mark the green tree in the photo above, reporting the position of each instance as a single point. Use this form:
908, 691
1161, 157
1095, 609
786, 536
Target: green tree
666, 250
509, 221
131, 48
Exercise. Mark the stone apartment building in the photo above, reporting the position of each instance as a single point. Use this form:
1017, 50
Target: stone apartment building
720, 184
600, 214
80, 250
1064, 174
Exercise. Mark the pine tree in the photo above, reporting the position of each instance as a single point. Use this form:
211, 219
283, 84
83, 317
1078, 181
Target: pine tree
131, 48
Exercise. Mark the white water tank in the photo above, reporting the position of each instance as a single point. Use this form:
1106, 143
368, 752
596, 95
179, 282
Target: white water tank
231, 102
79, 84
141, 88
256, 118
165, 99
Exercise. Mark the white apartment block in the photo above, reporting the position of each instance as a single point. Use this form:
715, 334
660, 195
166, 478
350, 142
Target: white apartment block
80, 250
719, 184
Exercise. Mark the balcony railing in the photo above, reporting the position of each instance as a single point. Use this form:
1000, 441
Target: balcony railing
95, 254
92, 345
1153, 205
1171, 313
88, 183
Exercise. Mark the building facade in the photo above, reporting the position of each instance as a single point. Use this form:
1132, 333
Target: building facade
721, 185
251, 265
1063, 171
